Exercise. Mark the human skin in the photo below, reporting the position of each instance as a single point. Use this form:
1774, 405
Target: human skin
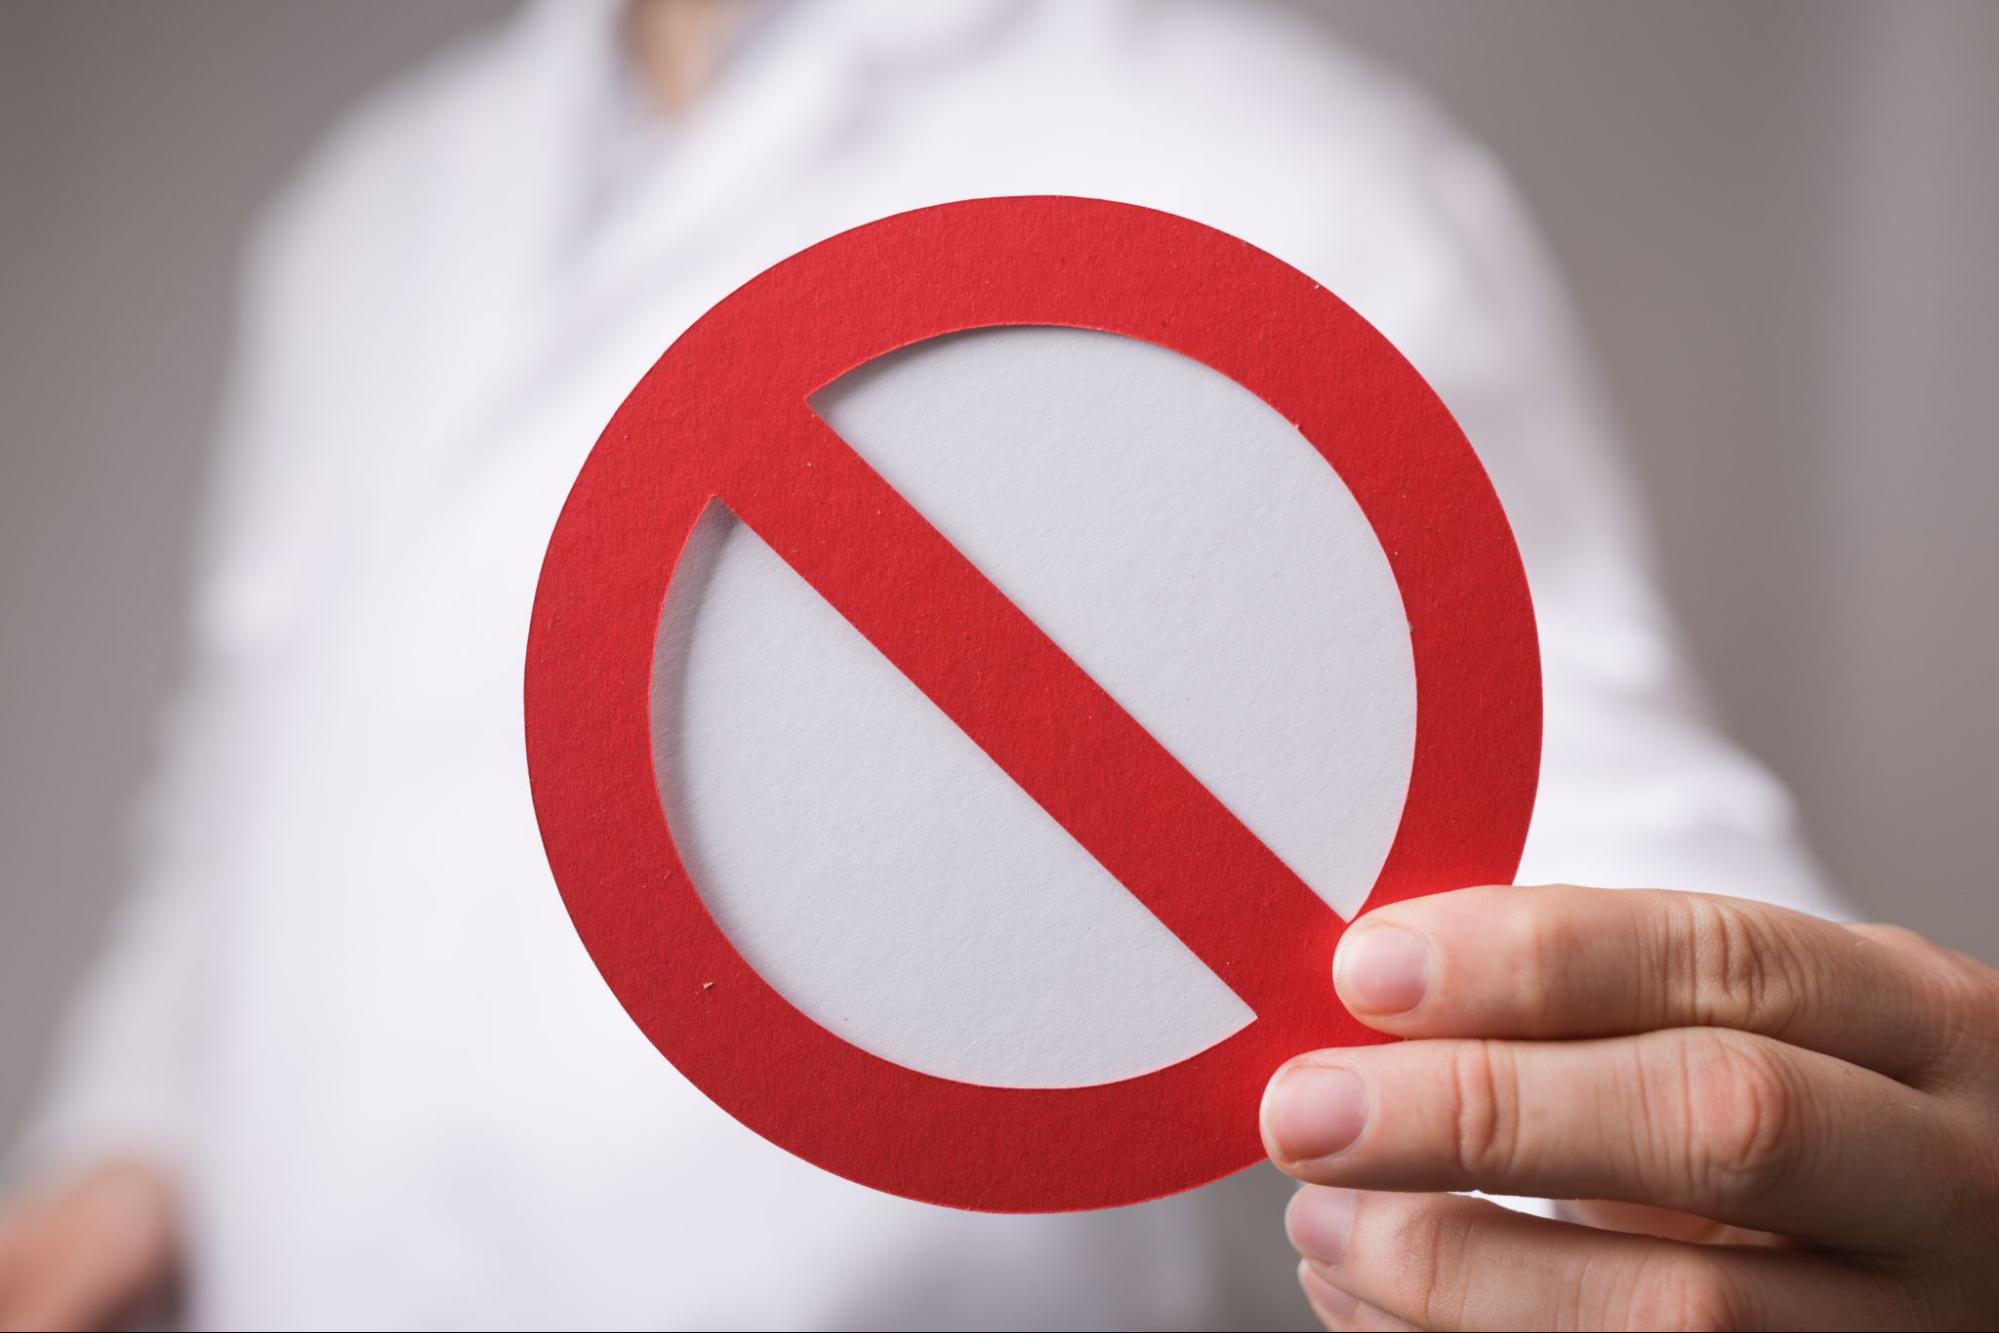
89, 1252
1787, 1123
89, 1247
1774, 1121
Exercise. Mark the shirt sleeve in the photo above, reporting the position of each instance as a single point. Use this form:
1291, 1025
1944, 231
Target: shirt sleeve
337, 246
125, 1062
1639, 786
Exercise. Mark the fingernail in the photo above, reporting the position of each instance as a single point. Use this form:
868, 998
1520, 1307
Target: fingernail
1382, 969
1318, 1220
1324, 1294
1310, 1111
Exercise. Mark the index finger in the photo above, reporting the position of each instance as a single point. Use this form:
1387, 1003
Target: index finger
1563, 962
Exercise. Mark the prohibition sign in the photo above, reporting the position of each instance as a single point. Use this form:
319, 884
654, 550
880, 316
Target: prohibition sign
723, 416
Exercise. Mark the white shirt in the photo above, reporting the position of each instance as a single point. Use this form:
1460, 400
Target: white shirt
347, 1003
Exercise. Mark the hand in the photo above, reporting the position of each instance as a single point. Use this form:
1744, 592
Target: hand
1795, 1123
89, 1253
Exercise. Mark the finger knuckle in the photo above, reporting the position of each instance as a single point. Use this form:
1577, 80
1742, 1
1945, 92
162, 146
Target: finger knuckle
1735, 971
1431, 1283
1949, 1006
1683, 1291
1963, 1002
1485, 1104
1746, 1119
1962, 1040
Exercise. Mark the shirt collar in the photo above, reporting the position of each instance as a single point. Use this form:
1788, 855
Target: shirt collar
853, 34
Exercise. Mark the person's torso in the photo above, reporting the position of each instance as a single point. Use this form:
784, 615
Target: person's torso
426, 1106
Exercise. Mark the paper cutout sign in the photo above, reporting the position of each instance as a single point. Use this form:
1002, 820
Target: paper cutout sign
724, 416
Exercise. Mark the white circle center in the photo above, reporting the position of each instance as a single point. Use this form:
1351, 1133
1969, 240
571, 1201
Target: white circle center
1186, 547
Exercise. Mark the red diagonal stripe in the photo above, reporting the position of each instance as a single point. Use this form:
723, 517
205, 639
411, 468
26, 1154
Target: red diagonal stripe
1041, 718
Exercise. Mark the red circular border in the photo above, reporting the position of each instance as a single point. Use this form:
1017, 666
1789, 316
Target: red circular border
797, 327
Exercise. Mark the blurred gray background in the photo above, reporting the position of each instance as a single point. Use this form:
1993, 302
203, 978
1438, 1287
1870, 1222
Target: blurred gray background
1779, 221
